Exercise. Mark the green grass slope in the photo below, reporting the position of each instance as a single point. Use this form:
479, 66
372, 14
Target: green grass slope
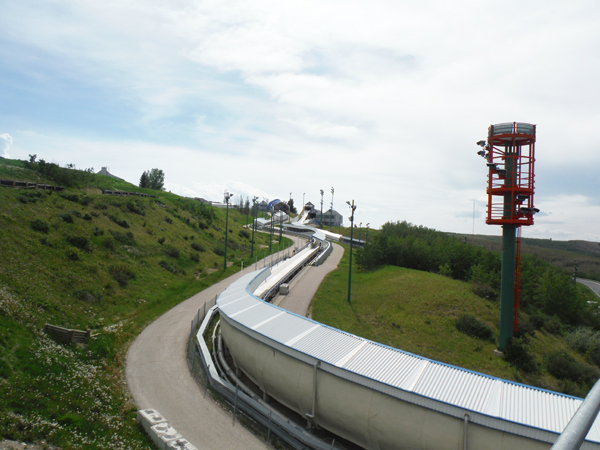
416, 311
84, 260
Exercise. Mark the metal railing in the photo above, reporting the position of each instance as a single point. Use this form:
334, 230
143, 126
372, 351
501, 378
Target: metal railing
208, 374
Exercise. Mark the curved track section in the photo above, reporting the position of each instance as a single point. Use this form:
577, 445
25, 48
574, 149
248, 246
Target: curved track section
381, 397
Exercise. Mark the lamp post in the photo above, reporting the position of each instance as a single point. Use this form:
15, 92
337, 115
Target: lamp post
359, 230
331, 210
352, 209
322, 192
271, 236
367, 234
280, 225
227, 198
254, 214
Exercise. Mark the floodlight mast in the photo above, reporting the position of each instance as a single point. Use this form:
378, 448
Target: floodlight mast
510, 156
227, 198
352, 209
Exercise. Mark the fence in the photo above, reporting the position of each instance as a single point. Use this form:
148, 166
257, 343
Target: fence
29, 185
68, 336
126, 193
208, 374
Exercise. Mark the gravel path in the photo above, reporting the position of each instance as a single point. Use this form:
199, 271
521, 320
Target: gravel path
158, 377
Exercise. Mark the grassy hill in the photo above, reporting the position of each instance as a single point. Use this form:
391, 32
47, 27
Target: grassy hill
417, 311
84, 260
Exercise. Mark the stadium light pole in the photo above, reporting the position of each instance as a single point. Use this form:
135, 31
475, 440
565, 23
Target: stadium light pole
227, 198
367, 235
254, 213
352, 209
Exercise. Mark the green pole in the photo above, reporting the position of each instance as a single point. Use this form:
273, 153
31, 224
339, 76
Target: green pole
253, 225
271, 236
507, 277
226, 230
352, 207
507, 285
280, 227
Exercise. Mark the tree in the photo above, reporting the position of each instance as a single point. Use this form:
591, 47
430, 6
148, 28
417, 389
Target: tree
293, 209
144, 180
156, 179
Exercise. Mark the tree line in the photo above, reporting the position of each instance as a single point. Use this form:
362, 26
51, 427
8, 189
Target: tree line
545, 289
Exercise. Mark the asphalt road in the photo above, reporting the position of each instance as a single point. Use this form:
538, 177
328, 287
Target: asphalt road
158, 376
593, 285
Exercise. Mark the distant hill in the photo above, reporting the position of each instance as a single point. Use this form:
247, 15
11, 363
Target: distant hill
562, 254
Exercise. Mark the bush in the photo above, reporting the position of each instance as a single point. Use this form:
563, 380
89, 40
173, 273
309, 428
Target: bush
73, 255
108, 243
66, 217
135, 208
472, 326
81, 242
121, 274
123, 238
76, 213
202, 225
517, 355
484, 291
87, 217
526, 327
220, 251
198, 247
85, 201
161, 240
170, 267
98, 232
121, 222
71, 197
244, 234
564, 367
173, 252
195, 257
168, 219
40, 225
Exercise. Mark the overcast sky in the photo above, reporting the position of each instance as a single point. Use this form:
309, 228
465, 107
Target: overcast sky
381, 100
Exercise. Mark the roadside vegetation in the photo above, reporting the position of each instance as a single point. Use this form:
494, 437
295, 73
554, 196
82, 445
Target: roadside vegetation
83, 260
431, 294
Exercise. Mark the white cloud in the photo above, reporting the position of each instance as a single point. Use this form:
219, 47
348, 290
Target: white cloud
5, 143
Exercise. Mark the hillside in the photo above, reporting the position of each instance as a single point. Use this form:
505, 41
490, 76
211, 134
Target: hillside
417, 311
83, 260
558, 253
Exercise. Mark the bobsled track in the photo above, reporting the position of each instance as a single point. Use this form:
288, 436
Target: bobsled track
375, 396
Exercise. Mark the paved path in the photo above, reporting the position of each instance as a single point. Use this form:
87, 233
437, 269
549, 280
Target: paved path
593, 285
158, 376
304, 286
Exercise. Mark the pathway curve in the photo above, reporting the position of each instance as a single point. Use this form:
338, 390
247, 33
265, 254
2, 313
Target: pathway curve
158, 376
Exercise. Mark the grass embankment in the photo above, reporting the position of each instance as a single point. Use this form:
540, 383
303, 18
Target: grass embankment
416, 311
83, 260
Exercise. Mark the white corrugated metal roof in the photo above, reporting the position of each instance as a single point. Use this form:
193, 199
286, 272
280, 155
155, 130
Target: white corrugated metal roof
493, 397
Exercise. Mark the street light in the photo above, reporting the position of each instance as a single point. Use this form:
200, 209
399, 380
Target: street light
359, 230
367, 235
254, 214
352, 209
322, 192
331, 210
227, 198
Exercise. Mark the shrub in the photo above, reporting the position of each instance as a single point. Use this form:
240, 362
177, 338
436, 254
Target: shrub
40, 225
108, 243
98, 232
484, 291
198, 247
85, 201
195, 257
516, 355
87, 217
161, 240
472, 326
81, 242
173, 252
23, 199
123, 238
526, 327
94, 214
170, 267
202, 225
135, 208
121, 273
244, 234
66, 217
76, 213
564, 367
220, 251
168, 219
71, 197
72, 254
121, 222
